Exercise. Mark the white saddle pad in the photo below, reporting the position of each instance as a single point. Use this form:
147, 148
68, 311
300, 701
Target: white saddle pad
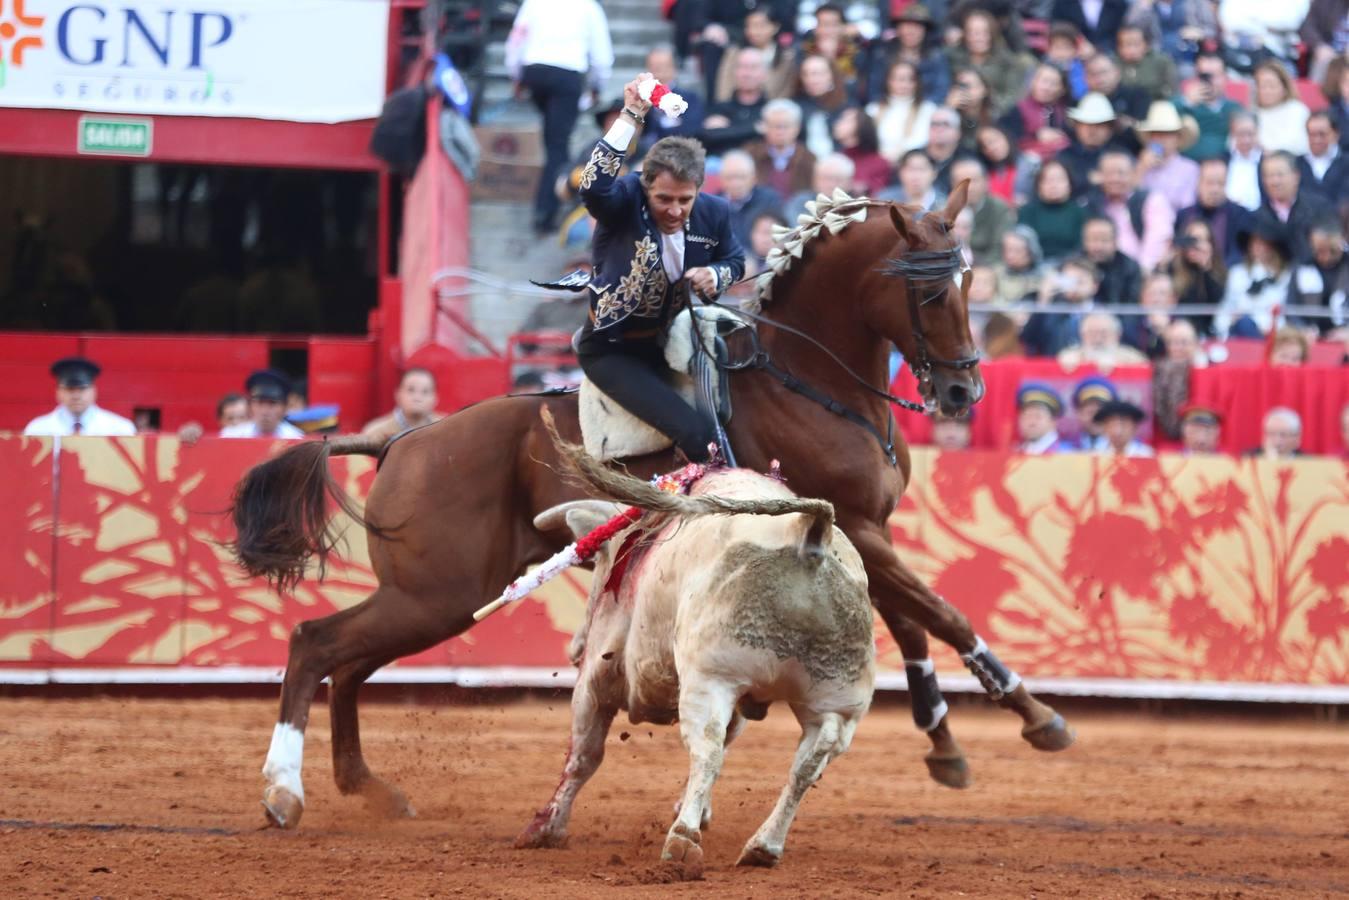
609, 431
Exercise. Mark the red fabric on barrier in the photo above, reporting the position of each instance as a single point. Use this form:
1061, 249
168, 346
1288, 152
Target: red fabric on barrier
1243, 394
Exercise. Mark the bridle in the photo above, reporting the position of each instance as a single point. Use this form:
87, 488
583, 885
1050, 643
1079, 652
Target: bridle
933, 266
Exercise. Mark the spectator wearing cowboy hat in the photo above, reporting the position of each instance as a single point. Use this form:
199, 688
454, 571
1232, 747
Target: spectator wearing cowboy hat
1038, 411
77, 410
1164, 170
1089, 395
267, 390
1093, 125
1119, 421
1200, 429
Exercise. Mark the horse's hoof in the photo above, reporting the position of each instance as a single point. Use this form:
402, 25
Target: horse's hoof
758, 855
683, 847
1050, 736
283, 808
951, 771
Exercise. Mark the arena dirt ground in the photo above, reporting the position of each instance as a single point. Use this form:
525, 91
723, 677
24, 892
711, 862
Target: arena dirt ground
134, 797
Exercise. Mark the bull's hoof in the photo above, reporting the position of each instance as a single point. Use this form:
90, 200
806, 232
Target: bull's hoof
1050, 736
384, 800
283, 808
541, 839
758, 855
951, 771
684, 848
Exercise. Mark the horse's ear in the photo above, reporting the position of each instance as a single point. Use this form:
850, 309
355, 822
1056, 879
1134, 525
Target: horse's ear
955, 202
897, 217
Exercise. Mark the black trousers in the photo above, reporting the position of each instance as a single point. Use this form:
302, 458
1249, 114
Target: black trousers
636, 376
556, 92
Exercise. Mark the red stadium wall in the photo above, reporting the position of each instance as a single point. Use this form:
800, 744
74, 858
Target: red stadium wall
1213, 577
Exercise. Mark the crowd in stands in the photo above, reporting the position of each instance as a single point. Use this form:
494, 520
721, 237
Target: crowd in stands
1126, 158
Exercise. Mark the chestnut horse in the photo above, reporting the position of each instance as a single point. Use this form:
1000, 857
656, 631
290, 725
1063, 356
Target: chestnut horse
450, 512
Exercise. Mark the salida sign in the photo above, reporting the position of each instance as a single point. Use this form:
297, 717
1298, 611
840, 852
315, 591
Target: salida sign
228, 58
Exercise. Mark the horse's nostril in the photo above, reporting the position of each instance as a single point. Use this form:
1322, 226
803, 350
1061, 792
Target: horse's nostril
958, 395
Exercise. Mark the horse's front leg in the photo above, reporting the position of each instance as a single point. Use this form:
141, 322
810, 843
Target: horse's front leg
898, 592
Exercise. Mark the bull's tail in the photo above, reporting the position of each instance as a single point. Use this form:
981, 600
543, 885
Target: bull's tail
612, 485
281, 514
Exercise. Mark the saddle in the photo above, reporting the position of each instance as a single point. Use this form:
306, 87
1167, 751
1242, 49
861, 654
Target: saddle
609, 431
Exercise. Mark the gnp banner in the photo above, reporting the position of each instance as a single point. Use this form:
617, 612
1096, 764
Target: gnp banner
298, 60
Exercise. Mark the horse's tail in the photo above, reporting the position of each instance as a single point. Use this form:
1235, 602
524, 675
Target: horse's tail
612, 485
280, 513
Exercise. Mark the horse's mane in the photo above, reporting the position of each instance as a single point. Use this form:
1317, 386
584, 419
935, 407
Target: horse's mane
824, 213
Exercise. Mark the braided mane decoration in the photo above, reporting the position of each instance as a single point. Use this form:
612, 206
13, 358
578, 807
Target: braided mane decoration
832, 213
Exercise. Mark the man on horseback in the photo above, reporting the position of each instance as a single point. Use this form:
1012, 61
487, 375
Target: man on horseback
657, 237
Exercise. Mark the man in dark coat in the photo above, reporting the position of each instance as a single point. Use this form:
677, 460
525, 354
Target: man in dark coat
1224, 218
656, 236
1324, 170
1109, 16
1286, 204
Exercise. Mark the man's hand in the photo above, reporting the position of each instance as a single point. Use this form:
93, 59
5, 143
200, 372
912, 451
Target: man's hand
633, 100
703, 281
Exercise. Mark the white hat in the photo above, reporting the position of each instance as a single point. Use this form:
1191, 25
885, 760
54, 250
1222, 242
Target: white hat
1163, 117
1092, 109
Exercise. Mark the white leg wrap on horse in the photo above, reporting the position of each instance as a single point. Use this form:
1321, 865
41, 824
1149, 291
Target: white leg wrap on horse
284, 758
996, 678
929, 707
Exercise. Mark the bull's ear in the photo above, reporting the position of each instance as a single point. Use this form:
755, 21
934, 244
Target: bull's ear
583, 520
955, 202
560, 516
897, 217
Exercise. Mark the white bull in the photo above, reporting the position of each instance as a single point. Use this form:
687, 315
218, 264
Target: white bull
747, 595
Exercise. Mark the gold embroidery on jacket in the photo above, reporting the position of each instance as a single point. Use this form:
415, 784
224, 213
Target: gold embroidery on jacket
641, 292
601, 160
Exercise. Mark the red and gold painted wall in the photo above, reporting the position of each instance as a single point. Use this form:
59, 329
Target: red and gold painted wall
1084, 573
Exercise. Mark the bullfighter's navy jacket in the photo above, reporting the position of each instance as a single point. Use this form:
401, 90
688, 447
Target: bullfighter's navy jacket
629, 290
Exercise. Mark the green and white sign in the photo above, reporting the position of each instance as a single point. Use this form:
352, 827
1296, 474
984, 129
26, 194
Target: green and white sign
119, 136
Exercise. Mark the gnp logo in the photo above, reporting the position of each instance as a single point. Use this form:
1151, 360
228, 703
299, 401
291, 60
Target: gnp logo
18, 34
131, 51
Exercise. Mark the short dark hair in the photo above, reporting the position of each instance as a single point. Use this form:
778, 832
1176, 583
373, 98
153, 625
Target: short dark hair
1093, 219
1330, 120
835, 8
912, 154
417, 370
228, 400
1143, 32
683, 158
1287, 158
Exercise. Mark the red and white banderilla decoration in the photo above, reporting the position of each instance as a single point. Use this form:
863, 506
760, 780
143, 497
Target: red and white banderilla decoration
661, 97
583, 549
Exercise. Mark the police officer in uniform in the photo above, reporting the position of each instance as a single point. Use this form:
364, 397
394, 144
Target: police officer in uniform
77, 411
656, 237
1089, 396
267, 390
1038, 411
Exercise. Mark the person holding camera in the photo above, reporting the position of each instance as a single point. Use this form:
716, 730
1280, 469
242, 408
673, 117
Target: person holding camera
1205, 100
